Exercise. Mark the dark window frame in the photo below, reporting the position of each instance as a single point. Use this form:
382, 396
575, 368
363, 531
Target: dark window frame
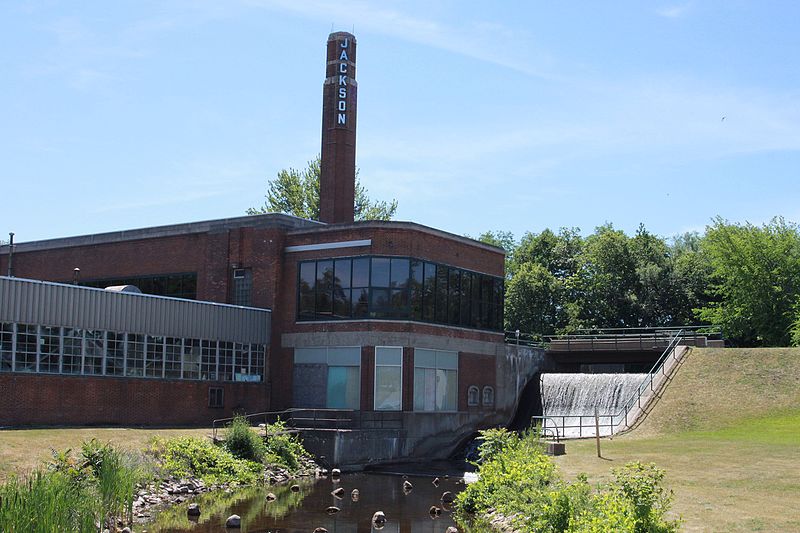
216, 397
462, 303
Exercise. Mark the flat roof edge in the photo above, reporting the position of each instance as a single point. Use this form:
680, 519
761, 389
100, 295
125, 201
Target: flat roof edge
397, 224
276, 220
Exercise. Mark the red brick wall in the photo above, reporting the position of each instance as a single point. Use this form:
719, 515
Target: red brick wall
36, 399
478, 370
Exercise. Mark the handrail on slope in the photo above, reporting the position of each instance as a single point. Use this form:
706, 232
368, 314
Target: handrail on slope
658, 368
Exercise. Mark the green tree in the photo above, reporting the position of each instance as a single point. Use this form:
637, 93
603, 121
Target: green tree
756, 278
534, 301
558, 253
501, 239
296, 192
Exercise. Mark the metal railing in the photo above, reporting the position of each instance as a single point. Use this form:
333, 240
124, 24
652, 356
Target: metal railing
622, 339
318, 418
611, 421
523, 339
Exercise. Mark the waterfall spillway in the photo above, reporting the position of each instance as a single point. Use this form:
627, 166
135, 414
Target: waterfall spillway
569, 401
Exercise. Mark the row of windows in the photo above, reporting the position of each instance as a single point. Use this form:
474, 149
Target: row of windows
336, 371
398, 287
174, 285
57, 350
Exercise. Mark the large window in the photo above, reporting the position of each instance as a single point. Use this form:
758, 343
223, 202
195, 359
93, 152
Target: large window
398, 288
54, 350
388, 378
435, 380
328, 377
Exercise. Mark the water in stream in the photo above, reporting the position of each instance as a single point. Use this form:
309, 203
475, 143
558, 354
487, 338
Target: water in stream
296, 512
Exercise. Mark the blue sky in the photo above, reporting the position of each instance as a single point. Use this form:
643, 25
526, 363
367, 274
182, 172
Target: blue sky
475, 116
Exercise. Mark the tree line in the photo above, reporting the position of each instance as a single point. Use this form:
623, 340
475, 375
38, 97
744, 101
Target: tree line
742, 277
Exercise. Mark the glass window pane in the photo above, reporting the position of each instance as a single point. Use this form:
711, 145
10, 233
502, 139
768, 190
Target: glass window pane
306, 356
94, 349
324, 289
341, 303
49, 349
416, 290
342, 268
73, 351
135, 362
380, 272
115, 353
424, 358
172, 358
208, 352
26, 348
448, 360
388, 388
442, 277
225, 361
454, 296
191, 359
306, 290
343, 387
6, 346
389, 355
344, 356
154, 358
361, 272
360, 303
429, 292
379, 306
399, 303
400, 271
466, 291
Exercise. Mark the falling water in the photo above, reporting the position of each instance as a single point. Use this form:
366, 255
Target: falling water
569, 400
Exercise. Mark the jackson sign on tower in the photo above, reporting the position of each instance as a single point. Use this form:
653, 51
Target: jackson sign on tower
338, 166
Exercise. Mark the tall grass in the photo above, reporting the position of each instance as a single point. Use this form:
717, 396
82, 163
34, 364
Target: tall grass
46, 502
73, 494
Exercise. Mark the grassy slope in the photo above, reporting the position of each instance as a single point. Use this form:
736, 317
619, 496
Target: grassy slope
22, 450
728, 433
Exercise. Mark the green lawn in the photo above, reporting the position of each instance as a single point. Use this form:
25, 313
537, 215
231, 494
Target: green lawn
22, 450
727, 431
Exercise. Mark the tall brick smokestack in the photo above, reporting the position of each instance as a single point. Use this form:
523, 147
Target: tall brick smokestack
338, 168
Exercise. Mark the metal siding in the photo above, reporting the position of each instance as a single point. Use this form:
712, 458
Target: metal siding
52, 304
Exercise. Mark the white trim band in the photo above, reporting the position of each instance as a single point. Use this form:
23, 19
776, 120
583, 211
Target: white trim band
328, 246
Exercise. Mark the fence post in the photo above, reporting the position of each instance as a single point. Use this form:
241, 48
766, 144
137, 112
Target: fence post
597, 431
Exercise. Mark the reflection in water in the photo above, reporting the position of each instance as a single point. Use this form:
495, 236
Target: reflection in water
305, 510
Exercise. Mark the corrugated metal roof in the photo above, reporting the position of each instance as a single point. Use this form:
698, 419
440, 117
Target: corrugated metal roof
56, 304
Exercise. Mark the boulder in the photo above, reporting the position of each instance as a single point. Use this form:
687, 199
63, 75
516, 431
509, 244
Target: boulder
434, 511
448, 497
295, 488
336, 472
407, 486
379, 518
193, 510
355, 495
320, 530
338, 493
332, 509
271, 497
234, 521
435, 482
451, 529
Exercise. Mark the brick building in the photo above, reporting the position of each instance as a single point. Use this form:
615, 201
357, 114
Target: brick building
375, 317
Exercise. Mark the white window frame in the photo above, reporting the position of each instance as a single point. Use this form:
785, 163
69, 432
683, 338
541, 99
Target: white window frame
435, 350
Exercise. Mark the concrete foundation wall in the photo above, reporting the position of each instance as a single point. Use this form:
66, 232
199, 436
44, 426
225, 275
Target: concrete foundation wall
426, 436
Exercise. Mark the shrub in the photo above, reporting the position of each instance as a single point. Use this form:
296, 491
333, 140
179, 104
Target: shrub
519, 482
242, 442
283, 448
640, 484
192, 456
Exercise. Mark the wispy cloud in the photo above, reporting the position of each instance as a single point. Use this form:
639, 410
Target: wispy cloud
673, 11
179, 197
482, 40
